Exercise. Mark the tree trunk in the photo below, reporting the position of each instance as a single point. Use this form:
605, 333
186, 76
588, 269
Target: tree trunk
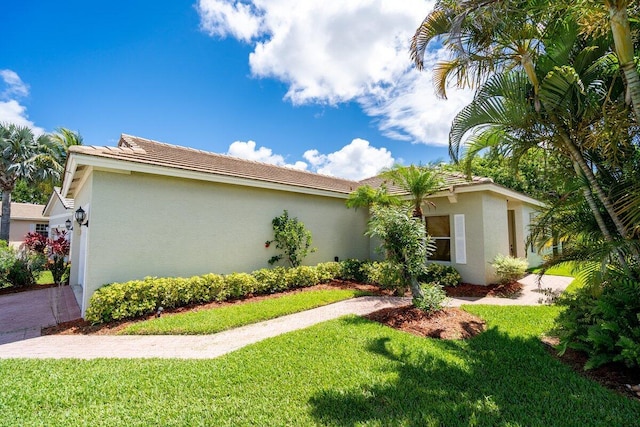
416, 289
6, 215
621, 31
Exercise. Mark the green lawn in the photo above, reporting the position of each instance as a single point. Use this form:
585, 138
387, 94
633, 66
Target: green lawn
45, 278
232, 316
346, 372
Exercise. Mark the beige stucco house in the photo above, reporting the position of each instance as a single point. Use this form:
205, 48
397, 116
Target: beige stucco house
26, 218
155, 209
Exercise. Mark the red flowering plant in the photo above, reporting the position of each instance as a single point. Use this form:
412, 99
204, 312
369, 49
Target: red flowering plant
56, 250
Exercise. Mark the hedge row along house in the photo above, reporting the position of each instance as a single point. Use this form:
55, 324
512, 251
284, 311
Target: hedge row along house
154, 209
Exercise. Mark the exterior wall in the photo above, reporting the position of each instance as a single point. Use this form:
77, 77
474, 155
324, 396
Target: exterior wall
471, 206
147, 225
486, 232
82, 198
19, 228
496, 232
58, 215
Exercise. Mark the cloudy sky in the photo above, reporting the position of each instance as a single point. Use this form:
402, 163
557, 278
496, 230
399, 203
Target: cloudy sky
325, 86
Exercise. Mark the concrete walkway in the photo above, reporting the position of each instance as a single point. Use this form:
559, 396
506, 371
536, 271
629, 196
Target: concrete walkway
210, 346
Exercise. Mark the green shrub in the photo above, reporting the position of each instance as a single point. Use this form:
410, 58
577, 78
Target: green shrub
508, 268
384, 274
440, 274
352, 270
301, 277
270, 280
216, 287
240, 284
433, 300
328, 271
604, 322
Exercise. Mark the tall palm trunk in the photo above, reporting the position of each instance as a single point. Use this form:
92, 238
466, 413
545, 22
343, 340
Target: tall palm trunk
6, 215
621, 31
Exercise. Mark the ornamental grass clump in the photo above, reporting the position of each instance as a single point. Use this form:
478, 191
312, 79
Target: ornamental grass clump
509, 269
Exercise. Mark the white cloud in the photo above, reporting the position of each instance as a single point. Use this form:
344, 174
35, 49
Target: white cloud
11, 110
357, 160
222, 18
337, 51
247, 150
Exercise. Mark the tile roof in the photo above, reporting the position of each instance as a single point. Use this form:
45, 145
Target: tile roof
66, 201
449, 179
27, 211
145, 151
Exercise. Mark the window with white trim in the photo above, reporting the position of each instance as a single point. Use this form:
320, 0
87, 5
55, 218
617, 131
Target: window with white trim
439, 228
42, 229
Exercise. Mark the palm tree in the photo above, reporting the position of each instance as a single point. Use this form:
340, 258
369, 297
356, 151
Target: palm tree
419, 181
367, 196
578, 101
619, 14
22, 158
52, 158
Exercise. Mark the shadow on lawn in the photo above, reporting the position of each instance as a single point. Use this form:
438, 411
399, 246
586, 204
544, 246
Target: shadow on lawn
492, 379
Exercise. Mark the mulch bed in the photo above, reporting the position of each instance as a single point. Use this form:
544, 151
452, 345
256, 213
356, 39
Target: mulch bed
508, 290
449, 323
614, 376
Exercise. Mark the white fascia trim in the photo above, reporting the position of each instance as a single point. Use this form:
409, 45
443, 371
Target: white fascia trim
124, 166
69, 172
514, 195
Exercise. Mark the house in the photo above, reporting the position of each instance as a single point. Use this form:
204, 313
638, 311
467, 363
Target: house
59, 210
26, 218
154, 209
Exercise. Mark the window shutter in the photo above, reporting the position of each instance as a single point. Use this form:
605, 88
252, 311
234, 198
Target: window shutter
461, 244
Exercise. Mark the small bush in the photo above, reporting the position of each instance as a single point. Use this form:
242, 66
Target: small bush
352, 270
25, 269
440, 274
328, 271
433, 300
384, 274
301, 277
240, 284
509, 269
270, 280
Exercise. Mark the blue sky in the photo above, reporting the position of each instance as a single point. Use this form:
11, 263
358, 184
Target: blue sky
324, 86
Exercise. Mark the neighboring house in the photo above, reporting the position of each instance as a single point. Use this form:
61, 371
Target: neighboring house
155, 209
59, 210
25, 218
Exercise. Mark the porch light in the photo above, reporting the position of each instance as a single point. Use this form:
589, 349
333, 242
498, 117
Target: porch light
81, 217
67, 225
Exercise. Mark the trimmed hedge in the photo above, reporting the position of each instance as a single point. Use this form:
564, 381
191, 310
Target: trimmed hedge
136, 298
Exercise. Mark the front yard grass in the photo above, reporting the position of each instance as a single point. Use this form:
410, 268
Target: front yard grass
231, 316
349, 371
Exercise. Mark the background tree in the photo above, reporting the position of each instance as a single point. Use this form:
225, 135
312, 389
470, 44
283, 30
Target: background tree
366, 196
23, 156
55, 157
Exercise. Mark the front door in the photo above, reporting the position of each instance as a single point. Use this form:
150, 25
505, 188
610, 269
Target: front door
511, 220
